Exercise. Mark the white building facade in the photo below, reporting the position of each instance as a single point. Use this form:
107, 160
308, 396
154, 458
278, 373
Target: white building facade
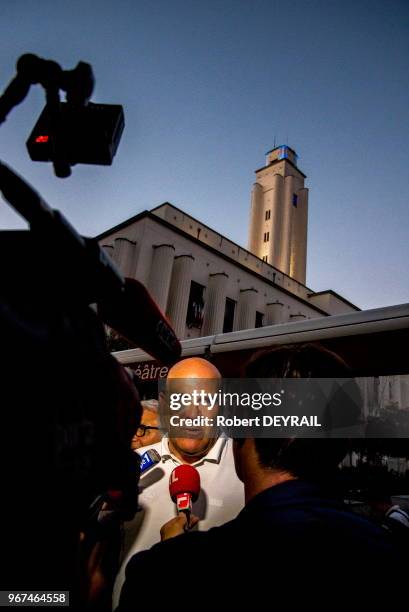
205, 283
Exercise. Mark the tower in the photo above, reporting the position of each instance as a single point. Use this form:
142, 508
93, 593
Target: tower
279, 214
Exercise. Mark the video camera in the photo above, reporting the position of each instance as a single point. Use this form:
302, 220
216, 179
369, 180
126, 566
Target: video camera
71, 132
87, 135
69, 409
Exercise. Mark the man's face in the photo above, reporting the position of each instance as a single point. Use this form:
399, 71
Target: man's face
194, 440
151, 436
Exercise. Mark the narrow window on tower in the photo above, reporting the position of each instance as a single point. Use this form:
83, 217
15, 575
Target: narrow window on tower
295, 199
266, 236
268, 214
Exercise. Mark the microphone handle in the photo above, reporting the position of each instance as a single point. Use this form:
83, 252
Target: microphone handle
184, 503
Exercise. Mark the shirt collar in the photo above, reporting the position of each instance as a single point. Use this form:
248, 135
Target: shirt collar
214, 455
394, 508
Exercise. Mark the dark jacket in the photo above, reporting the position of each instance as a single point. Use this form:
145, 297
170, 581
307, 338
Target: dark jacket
290, 539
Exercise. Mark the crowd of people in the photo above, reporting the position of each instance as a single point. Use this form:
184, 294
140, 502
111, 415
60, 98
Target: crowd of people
269, 510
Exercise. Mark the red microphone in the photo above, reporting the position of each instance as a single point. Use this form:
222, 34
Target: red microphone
184, 487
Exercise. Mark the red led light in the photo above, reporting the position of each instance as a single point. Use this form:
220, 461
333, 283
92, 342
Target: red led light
42, 139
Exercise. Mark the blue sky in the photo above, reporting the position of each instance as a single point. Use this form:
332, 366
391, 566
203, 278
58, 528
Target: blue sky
207, 86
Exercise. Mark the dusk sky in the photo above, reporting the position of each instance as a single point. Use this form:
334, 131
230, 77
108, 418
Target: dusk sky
207, 87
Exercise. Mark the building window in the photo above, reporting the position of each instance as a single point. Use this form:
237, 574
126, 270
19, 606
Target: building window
265, 258
295, 199
268, 214
229, 315
194, 316
266, 236
259, 319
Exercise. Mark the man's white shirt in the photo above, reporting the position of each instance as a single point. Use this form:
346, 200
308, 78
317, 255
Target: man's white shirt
221, 499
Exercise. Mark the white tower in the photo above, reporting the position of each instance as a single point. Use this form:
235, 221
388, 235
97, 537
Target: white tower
279, 214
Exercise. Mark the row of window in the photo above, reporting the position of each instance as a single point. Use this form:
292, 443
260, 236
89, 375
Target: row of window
294, 202
195, 310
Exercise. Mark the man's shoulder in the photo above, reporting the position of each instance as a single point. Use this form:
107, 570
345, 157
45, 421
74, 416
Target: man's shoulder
166, 568
153, 568
171, 550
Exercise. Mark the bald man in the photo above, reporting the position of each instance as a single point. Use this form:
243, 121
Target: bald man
189, 444
222, 494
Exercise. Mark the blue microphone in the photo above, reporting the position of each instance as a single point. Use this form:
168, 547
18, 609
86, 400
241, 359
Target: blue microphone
149, 459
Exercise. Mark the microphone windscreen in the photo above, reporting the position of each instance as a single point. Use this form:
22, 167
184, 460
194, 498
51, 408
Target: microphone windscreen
148, 459
184, 479
135, 315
